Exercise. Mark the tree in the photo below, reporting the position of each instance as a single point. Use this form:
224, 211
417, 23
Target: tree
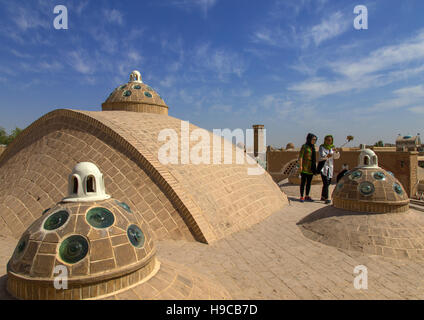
379, 144
5, 138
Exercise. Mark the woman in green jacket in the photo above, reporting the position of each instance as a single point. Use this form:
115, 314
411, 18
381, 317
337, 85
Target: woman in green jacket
307, 164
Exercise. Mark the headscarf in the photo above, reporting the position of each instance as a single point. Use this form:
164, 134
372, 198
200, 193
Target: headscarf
309, 138
328, 146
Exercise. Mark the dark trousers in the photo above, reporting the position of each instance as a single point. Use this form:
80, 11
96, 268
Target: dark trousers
326, 182
306, 179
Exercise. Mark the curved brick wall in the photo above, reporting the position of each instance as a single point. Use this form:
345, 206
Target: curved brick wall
177, 201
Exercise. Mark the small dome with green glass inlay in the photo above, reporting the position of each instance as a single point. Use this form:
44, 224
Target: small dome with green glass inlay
135, 96
97, 238
370, 188
100, 218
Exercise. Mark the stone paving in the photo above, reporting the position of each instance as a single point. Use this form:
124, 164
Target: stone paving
270, 260
273, 260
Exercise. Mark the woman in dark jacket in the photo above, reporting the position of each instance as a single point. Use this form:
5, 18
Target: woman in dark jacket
307, 164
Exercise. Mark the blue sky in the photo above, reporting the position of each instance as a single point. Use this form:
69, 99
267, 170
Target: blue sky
295, 66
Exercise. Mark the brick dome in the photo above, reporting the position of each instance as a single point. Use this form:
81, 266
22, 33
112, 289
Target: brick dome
97, 243
203, 202
369, 188
135, 96
370, 214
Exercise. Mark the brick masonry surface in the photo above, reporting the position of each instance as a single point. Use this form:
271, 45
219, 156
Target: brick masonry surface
204, 202
35, 177
271, 260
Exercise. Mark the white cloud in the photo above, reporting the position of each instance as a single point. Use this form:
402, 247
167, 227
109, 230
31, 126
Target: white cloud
219, 108
404, 97
26, 18
384, 58
330, 27
219, 61
80, 62
113, 16
168, 81
20, 54
80, 6
379, 68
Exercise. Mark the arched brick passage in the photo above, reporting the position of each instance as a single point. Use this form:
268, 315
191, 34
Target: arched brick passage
211, 201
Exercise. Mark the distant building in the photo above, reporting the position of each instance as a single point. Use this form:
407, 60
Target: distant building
408, 143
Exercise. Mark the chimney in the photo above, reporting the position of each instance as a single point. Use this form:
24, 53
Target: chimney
258, 139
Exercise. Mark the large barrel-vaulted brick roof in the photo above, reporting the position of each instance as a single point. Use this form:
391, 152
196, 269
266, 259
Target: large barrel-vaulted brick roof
202, 202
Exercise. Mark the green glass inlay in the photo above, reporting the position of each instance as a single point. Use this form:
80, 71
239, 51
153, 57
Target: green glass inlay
366, 188
355, 175
148, 94
136, 236
124, 206
379, 176
398, 189
149, 88
100, 218
56, 220
137, 87
127, 93
45, 211
391, 173
22, 244
123, 86
73, 249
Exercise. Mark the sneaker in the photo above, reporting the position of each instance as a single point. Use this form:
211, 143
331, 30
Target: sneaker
327, 201
308, 198
302, 199
323, 199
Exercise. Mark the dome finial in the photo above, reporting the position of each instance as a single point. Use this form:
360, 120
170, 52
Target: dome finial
367, 159
86, 184
135, 76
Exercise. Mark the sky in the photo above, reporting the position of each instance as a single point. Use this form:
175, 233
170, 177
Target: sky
294, 66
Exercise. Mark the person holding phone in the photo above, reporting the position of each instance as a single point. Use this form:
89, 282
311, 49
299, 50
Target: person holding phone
327, 154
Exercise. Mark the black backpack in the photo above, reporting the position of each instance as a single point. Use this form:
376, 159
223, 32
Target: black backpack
320, 166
